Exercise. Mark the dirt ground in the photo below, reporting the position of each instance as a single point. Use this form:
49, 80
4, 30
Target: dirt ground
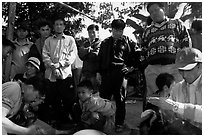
133, 112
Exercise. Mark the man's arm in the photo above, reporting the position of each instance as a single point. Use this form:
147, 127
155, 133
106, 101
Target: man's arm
11, 127
186, 110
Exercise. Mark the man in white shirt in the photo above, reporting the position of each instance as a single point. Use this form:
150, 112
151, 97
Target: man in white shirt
59, 53
186, 96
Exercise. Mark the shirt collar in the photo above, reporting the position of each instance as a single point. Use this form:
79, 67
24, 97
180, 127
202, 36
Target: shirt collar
55, 36
162, 23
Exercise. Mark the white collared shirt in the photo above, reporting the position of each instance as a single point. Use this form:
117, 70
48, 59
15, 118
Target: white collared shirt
59, 50
192, 91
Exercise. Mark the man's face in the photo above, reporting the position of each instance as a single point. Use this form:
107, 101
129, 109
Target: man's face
30, 94
21, 33
59, 26
117, 33
191, 75
45, 31
156, 13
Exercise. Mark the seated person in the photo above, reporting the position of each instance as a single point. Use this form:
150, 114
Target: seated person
32, 69
96, 113
152, 121
16, 118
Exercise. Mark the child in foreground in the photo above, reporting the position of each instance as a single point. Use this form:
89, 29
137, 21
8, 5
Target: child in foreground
152, 121
96, 112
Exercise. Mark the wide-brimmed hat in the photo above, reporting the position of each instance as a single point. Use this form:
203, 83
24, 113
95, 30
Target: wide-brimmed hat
188, 58
34, 61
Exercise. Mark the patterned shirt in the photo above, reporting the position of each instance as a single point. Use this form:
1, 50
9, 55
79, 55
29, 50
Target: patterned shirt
162, 41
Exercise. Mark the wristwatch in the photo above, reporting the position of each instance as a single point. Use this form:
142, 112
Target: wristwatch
175, 107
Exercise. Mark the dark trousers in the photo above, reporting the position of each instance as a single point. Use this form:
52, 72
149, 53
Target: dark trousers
61, 96
112, 84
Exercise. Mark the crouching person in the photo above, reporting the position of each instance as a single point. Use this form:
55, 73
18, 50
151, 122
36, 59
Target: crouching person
154, 121
96, 112
16, 118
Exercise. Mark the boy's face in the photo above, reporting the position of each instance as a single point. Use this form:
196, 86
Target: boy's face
45, 31
59, 26
166, 90
21, 33
83, 93
92, 34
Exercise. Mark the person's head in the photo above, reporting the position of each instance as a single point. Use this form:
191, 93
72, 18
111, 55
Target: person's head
93, 31
118, 26
84, 90
7, 47
189, 63
59, 25
165, 82
33, 89
156, 11
196, 26
44, 29
32, 66
22, 31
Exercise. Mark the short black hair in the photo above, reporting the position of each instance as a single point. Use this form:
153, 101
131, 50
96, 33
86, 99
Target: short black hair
164, 79
59, 18
44, 23
6, 43
93, 26
38, 83
118, 24
86, 83
160, 4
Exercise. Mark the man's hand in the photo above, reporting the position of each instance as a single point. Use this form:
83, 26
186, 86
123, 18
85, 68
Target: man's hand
55, 66
57, 73
161, 102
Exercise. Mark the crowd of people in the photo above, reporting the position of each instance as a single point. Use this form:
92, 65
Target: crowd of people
56, 80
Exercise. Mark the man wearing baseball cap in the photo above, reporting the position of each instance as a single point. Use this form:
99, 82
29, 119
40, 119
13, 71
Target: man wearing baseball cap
186, 96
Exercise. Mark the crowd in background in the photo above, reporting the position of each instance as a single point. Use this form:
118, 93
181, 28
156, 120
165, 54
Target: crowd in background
57, 79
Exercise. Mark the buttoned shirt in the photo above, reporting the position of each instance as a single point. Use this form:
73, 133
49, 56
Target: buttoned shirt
59, 50
189, 99
192, 91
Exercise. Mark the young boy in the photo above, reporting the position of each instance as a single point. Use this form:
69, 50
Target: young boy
152, 121
97, 113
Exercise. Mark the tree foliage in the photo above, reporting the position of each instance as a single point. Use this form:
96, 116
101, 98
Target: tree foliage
33, 12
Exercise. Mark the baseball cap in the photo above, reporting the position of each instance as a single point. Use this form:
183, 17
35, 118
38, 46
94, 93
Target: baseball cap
188, 58
34, 61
